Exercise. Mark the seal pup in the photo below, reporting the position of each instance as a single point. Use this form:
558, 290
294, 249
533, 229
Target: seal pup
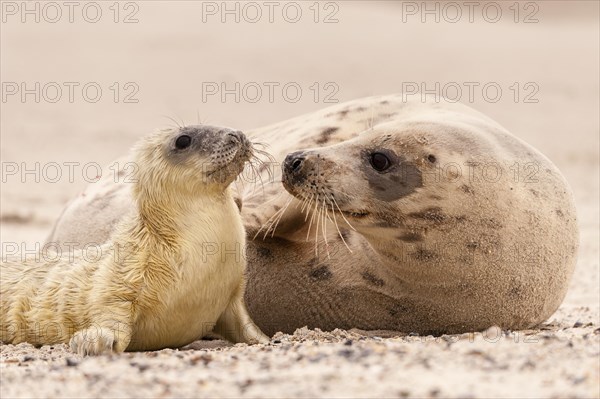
463, 227
172, 271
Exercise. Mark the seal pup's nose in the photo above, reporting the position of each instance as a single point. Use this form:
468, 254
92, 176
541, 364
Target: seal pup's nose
235, 136
293, 162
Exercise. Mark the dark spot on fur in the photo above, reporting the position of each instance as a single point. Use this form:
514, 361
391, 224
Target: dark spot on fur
372, 279
399, 309
433, 214
343, 113
386, 224
516, 289
560, 213
360, 109
276, 207
264, 252
321, 273
100, 203
435, 197
535, 193
467, 189
473, 244
326, 134
424, 255
492, 223
345, 234
238, 202
431, 158
16, 218
384, 102
399, 180
411, 237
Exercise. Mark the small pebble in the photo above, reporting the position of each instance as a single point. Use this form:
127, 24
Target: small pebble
72, 362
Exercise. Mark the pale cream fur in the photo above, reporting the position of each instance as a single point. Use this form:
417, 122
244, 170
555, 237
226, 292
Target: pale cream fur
172, 271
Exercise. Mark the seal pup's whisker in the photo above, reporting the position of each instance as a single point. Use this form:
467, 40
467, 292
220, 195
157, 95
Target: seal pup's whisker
264, 153
255, 175
260, 143
174, 121
371, 122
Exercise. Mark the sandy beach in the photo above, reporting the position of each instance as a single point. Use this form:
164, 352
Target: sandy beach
76, 95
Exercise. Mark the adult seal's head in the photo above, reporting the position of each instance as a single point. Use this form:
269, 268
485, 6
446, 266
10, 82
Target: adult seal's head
468, 221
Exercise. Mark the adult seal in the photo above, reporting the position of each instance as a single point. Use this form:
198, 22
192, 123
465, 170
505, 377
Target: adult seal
414, 216
158, 282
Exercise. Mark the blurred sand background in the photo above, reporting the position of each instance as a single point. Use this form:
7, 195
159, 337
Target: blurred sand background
373, 48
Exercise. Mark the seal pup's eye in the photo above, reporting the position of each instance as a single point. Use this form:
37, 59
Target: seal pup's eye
183, 142
380, 162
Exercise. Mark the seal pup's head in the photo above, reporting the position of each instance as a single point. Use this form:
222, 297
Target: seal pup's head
190, 160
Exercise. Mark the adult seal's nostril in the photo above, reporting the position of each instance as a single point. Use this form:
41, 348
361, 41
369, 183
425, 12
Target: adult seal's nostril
293, 162
297, 164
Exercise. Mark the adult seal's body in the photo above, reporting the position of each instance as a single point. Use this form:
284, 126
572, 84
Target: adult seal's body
413, 216
158, 282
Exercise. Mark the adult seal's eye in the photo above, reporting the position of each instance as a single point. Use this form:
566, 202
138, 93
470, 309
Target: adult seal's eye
183, 142
380, 162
